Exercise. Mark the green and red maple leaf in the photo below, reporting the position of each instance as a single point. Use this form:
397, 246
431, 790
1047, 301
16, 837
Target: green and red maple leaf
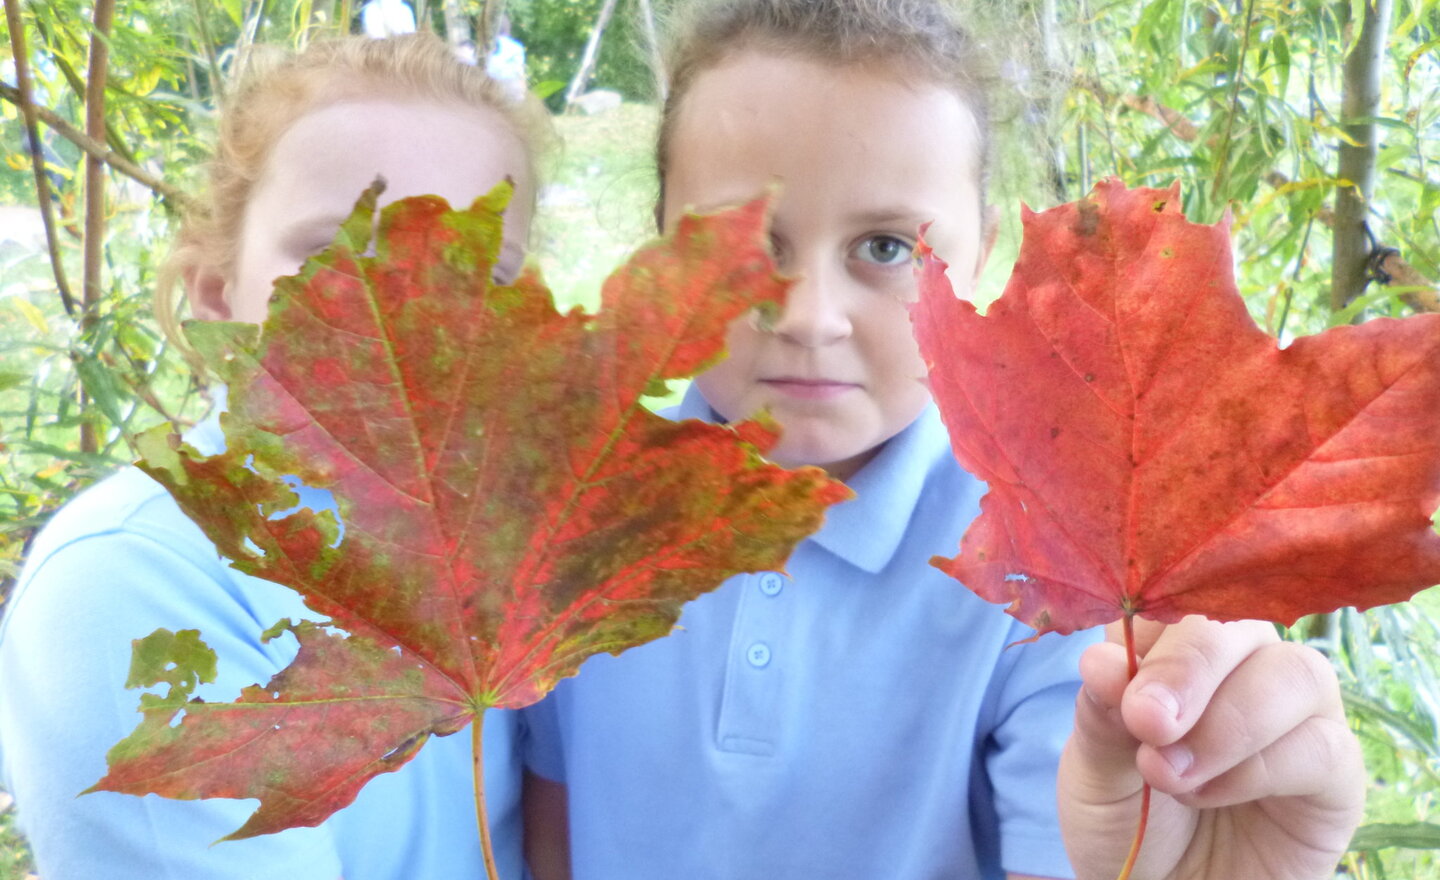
1150, 451
509, 506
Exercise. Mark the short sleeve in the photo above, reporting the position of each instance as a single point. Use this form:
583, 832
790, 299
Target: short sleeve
1034, 715
64, 657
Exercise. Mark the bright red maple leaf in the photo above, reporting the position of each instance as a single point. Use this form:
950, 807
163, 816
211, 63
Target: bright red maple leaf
1149, 450
509, 506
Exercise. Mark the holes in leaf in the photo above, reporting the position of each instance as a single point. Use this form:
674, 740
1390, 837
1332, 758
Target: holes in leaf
318, 501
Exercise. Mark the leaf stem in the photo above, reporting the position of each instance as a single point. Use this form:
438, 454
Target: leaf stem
481, 818
1133, 664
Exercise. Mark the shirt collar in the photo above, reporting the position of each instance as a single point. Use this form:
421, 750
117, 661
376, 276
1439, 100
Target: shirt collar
866, 530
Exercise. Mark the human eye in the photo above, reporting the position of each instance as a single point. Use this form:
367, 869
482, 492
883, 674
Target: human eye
776, 246
307, 238
884, 250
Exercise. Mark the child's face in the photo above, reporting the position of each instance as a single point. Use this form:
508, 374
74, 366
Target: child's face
863, 159
321, 164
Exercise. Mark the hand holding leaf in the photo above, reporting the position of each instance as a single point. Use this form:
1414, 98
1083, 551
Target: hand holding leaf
1150, 451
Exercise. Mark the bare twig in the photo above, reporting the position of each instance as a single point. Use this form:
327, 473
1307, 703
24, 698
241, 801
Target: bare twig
95, 183
217, 80
1178, 125
1222, 162
1389, 269
94, 166
37, 156
489, 24
592, 50
100, 151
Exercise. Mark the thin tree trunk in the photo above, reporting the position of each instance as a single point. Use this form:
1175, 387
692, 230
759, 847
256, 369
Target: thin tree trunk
490, 12
95, 186
1359, 103
592, 51
457, 31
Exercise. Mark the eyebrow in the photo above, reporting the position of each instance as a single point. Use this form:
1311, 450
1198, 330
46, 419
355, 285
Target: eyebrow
908, 217
325, 225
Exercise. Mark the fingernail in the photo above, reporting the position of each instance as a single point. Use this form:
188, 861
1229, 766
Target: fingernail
1178, 757
1164, 697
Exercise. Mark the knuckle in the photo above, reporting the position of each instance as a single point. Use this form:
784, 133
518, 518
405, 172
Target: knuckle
1301, 669
1199, 652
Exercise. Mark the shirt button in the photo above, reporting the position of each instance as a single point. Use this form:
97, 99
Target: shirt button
771, 583
758, 655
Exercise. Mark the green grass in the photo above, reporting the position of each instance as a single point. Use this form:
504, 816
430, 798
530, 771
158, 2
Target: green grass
597, 203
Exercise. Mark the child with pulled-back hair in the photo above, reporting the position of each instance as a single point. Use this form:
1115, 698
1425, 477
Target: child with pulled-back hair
862, 717
298, 142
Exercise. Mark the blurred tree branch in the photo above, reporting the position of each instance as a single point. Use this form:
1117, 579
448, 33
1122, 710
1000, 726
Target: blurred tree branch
28, 111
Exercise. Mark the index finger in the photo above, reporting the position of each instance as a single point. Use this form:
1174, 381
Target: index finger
1146, 632
1181, 670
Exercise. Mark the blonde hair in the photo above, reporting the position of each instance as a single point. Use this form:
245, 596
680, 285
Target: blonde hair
908, 38
279, 88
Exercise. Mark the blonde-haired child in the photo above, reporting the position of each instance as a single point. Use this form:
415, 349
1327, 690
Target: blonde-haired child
298, 142
862, 717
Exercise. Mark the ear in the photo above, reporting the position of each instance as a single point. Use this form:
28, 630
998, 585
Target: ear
989, 232
207, 291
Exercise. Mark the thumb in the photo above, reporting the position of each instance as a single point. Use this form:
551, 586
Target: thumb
1101, 752
1099, 787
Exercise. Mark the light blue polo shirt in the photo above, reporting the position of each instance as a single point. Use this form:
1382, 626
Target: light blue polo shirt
113, 565
860, 719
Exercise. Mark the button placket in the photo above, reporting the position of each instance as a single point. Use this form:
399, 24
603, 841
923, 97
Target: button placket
751, 705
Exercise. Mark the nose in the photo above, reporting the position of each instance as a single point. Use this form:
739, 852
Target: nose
815, 312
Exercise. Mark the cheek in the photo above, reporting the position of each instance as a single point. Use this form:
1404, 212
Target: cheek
726, 384
891, 342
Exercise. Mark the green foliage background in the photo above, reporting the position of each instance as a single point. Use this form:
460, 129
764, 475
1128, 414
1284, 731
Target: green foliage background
1238, 100
554, 35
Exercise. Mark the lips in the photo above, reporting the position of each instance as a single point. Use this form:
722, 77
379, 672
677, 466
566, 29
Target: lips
809, 389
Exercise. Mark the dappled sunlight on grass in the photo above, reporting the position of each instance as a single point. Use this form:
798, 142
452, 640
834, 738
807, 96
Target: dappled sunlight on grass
596, 204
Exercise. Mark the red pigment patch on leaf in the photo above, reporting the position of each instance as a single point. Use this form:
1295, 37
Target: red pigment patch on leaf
1150, 450
509, 506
